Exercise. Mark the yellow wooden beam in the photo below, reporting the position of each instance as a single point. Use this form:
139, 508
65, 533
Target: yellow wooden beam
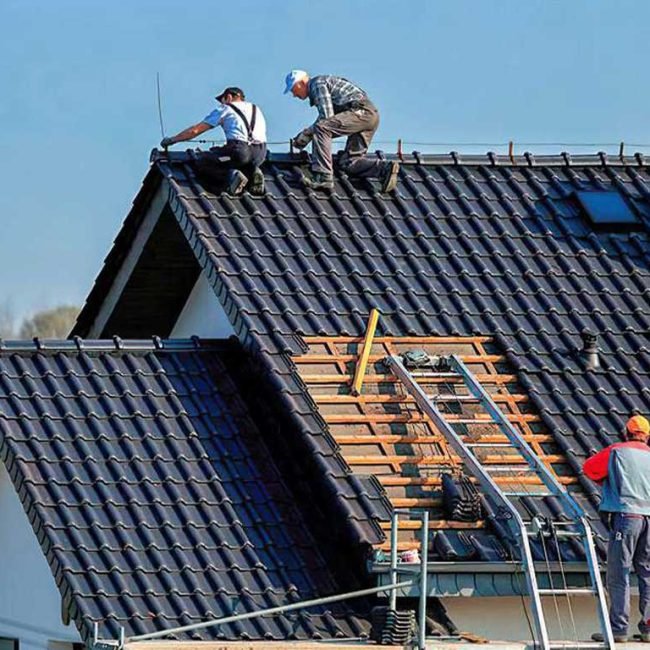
360, 370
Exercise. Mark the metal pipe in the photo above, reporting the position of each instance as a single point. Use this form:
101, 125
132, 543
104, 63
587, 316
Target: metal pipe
590, 350
393, 559
272, 610
424, 567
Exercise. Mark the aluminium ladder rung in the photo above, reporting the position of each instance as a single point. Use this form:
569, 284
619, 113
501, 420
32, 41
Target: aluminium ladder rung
453, 398
566, 592
520, 469
490, 444
578, 645
483, 421
562, 534
529, 494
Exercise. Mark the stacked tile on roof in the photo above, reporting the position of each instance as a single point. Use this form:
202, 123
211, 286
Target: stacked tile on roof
466, 245
153, 494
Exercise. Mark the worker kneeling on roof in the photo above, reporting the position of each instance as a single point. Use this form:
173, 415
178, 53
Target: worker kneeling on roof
343, 109
624, 471
245, 129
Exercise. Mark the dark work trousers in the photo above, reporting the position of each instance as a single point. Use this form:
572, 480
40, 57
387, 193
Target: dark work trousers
360, 125
235, 154
629, 546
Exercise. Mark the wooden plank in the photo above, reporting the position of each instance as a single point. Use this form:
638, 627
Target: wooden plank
374, 358
360, 370
410, 439
385, 378
222, 644
416, 417
408, 524
433, 481
341, 367
412, 545
402, 459
399, 399
416, 502
399, 339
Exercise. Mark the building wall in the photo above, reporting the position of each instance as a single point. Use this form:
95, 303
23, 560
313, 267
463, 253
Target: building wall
503, 618
202, 314
30, 603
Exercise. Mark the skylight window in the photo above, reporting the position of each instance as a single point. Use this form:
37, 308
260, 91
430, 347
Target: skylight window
608, 210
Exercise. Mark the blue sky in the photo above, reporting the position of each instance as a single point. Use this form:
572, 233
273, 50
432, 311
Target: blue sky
78, 100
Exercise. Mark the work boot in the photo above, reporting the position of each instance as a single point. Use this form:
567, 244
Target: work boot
388, 177
618, 638
644, 637
236, 182
319, 181
256, 185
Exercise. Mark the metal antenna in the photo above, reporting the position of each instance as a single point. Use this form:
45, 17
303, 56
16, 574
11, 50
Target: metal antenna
160, 115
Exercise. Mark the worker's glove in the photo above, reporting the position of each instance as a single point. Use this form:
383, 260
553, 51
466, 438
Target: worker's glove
302, 139
166, 142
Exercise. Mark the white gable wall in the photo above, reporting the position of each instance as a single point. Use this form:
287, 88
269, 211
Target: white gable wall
30, 603
503, 618
202, 314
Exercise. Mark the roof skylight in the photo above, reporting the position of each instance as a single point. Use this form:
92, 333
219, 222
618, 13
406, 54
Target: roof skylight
607, 210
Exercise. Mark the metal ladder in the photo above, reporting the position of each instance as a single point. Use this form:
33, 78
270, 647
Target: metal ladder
520, 531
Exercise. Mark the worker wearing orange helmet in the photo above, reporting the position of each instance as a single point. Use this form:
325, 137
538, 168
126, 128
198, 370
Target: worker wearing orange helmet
623, 470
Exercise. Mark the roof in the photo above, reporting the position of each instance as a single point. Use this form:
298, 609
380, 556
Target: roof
382, 431
467, 245
153, 493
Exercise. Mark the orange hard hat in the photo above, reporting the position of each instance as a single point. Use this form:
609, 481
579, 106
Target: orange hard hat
638, 424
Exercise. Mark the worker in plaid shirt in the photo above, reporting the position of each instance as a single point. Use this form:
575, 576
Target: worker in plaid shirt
343, 109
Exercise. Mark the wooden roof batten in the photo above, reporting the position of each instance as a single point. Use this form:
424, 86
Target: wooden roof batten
380, 430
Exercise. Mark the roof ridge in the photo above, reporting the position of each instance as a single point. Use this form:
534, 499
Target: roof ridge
116, 344
452, 158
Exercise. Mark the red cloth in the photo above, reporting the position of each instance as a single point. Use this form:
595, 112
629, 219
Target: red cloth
596, 467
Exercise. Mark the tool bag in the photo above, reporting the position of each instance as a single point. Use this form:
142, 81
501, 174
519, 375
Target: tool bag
414, 359
460, 499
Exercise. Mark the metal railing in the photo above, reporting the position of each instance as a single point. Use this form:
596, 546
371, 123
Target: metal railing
393, 587
123, 639
423, 515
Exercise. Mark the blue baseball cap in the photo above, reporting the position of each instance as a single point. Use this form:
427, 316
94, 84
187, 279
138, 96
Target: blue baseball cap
291, 79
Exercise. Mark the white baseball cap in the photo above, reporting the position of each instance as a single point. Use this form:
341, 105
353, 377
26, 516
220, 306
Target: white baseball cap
292, 78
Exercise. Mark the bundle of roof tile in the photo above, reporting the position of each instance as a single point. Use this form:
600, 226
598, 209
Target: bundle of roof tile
392, 627
460, 499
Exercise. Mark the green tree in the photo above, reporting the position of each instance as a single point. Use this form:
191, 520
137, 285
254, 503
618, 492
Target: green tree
54, 323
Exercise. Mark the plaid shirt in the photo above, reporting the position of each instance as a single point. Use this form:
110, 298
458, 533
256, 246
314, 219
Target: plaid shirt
330, 94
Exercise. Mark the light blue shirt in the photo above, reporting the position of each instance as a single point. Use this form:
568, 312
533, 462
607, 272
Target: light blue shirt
233, 126
627, 486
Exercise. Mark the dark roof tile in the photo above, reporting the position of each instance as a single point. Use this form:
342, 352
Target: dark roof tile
156, 496
467, 245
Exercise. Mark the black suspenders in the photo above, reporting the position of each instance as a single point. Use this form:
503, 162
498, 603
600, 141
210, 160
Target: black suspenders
249, 126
